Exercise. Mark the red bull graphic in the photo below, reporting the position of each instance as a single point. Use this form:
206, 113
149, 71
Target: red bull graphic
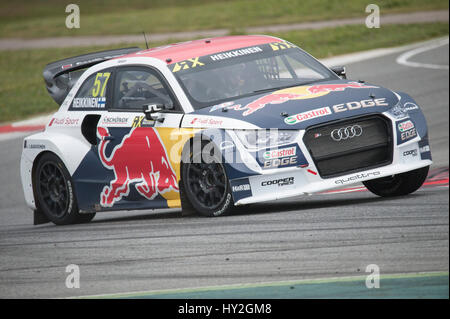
141, 158
295, 93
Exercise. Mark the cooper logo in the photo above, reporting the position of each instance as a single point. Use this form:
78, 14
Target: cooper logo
410, 152
240, 188
279, 182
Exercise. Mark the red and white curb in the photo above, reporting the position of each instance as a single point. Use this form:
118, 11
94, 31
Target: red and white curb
16, 129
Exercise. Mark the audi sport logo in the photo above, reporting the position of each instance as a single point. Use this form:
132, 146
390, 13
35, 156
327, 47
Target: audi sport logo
345, 133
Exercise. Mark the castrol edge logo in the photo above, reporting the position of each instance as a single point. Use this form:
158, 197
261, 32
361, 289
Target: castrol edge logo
290, 151
404, 126
300, 117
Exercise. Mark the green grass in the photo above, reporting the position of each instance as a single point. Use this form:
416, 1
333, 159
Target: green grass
20, 18
23, 93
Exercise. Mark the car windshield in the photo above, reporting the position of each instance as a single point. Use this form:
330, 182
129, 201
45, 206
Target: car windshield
225, 76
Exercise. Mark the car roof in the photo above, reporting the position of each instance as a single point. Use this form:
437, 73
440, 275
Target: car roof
177, 52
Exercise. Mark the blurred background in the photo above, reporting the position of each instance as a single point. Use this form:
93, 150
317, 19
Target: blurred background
34, 33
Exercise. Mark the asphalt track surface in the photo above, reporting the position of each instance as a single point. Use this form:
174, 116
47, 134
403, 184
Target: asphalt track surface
321, 236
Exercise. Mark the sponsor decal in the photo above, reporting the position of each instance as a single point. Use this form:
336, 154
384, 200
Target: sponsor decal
405, 126
115, 120
37, 146
425, 149
350, 106
413, 153
405, 131
290, 155
297, 93
141, 121
357, 177
405, 136
65, 121
234, 53
277, 153
294, 119
280, 182
89, 102
140, 159
409, 106
205, 121
275, 46
187, 64
277, 162
241, 188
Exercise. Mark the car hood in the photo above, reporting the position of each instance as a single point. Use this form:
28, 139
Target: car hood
302, 106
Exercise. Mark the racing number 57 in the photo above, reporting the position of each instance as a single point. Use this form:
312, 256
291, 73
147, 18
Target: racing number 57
99, 85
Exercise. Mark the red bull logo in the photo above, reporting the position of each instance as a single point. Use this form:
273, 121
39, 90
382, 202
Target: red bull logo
140, 158
295, 93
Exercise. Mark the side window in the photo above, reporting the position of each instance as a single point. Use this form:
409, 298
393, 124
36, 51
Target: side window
92, 93
136, 87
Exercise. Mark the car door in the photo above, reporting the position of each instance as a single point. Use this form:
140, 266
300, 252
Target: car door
136, 150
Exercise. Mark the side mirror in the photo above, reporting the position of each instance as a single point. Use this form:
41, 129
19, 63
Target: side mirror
151, 111
340, 71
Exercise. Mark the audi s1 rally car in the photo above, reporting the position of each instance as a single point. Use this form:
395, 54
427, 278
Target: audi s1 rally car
209, 124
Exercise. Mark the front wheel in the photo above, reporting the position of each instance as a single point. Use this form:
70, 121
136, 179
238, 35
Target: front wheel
205, 188
54, 192
399, 184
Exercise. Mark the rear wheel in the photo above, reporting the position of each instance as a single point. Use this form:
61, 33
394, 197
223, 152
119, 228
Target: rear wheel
54, 192
205, 188
399, 184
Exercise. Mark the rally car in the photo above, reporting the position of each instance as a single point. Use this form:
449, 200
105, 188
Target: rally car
209, 124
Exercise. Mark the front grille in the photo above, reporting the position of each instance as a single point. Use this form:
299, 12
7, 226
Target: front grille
342, 147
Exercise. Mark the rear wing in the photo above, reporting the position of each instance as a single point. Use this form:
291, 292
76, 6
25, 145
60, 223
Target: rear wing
60, 76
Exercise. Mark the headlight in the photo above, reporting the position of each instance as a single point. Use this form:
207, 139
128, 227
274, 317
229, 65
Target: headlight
257, 139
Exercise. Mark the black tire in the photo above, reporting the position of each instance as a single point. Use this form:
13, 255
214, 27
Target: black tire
398, 185
204, 187
54, 193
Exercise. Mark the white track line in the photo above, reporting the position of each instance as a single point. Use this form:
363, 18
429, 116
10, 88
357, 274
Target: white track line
403, 59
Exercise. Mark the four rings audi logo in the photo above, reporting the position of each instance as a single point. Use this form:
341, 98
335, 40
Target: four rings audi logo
344, 133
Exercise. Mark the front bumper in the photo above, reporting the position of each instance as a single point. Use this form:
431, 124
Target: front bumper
272, 184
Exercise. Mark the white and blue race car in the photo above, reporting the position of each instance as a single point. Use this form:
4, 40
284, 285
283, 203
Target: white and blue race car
209, 124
